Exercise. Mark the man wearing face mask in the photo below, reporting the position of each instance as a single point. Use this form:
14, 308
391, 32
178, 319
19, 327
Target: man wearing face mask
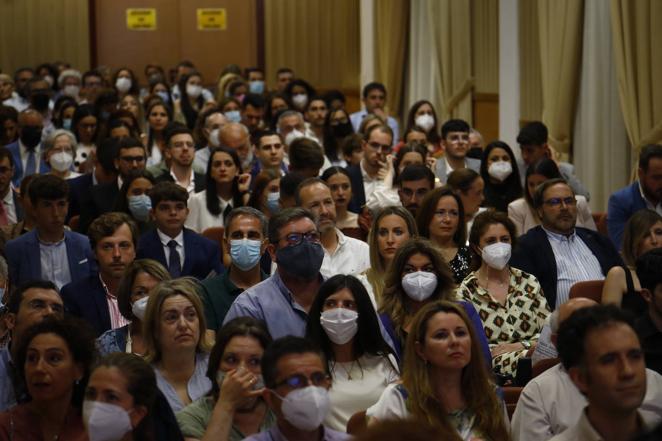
291, 126
69, 82
27, 150
39, 94
245, 238
255, 78
211, 121
282, 301
297, 391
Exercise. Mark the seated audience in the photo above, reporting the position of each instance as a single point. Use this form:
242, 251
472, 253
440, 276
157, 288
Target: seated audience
234, 408
445, 381
27, 150
342, 254
455, 143
588, 340
337, 127
296, 390
642, 233
11, 211
283, 300
159, 114
509, 301
207, 135
237, 137
269, 153
227, 188
500, 175
59, 151
374, 101
246, 241
140, 277
94, 298
265, 196
53, 360
30, 303
180, 250
175, 344
179, 154
423, 116
469, 186
649, 324
49, 251
414, 182
134, 201
556, 252
345, 327
522, 212
441, 219
340, 185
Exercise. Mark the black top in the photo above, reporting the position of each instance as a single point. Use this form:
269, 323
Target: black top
632, 300
651, 342
460, 264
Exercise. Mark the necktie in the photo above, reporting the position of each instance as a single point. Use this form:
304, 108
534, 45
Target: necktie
174, 265
226, 212
31, 164
4, 220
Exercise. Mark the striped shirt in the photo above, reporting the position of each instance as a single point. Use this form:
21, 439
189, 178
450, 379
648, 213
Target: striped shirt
575, 262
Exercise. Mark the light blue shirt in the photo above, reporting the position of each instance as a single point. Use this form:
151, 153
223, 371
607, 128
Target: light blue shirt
575, 262
357, 117
54, 262
198, 385
7, 395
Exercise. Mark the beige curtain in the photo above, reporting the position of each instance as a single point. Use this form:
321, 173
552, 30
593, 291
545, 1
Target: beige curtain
318, 39
485, 45
529, 60
391, 35
637, 44
560, 24
451, 22
34, 31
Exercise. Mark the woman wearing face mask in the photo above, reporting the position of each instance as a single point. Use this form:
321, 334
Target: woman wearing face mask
276, 103
133, 198
392, 227
336, 128
158, 117
468, 185
341, 191
417, 276
521, 210
234, 408
122, 402
227, 188
440, 218
343, 323
445, 382
132, 295
59, 153
124, 82
423, 115
191, 101
63, 112
52, 360
238, 90
175, 344
230, 108
265, 196
158, 87
85, 126
299, 92
499, 171
509, 300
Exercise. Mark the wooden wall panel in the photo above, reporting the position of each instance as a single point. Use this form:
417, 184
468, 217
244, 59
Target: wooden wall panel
486, 115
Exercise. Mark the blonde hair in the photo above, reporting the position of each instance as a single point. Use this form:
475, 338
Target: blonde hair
185, 287
477, 389
223, 82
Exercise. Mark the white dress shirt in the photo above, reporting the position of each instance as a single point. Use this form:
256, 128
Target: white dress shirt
10, 208
165, 239
351, 256
188, 186
657, 208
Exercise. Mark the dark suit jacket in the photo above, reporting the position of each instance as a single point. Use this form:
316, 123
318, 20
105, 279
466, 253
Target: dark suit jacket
86, 299
17, 207
102, 200
358, 191
622, 205
24, 257
534, 255
201, 255
18, 164
80, 190
198, 180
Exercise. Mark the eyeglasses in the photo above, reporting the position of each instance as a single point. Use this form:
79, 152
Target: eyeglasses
386, 148
297, 238
299, 381
555, 202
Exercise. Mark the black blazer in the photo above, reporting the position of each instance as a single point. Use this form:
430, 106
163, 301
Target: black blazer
102, 200
358, 191
534, 255
79, 193
86, 299
199, 181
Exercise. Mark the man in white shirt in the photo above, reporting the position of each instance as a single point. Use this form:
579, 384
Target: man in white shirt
342, 254
214, 120
374, 100
179, 153
455, 143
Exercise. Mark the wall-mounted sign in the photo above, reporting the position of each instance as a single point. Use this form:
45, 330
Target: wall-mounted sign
211, 19
141, 19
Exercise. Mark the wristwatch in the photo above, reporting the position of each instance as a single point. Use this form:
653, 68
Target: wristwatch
526, 344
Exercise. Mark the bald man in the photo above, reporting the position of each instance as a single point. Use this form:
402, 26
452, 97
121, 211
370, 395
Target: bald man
550, 403
236, 136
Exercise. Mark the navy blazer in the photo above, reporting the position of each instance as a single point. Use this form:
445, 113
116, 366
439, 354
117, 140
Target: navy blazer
79, 193
199, 181
24, 257
622, 205
534, 255
201, 255
358, 190
18, 164
86, 299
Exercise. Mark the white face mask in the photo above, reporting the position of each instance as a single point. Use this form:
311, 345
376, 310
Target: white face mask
105, 422
300, 100
500, 170
424, 121
193, 91
61, 161
213, 138
497, 255
139, 307
307, 407
340, 324
71, 90
420, 285
294, 134
123, 84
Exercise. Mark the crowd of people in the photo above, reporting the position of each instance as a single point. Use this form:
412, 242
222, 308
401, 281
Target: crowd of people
181, 262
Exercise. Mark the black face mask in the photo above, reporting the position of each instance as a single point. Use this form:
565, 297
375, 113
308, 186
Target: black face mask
40, 101
31, 136
303, 260
342, 130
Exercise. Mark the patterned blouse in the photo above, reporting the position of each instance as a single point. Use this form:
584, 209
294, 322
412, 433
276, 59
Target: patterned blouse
520, 319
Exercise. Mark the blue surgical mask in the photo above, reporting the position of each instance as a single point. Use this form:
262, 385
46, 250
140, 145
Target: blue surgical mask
233, 116
139, 207
245, 253
164, 96
66, 123
256, 86
273, 202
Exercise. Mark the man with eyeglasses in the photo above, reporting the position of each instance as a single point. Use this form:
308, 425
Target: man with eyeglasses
455, 143
180, 153
28, 305
558, 252
297, 384
282, 301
